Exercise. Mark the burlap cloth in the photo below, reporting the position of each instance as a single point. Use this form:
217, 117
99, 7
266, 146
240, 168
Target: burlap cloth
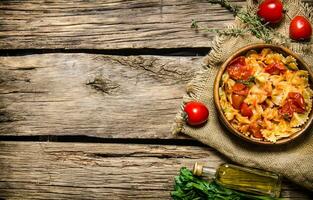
293, 160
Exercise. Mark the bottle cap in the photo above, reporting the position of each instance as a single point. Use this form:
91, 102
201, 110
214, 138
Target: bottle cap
197, 169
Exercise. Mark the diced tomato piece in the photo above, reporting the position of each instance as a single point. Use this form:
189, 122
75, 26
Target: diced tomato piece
245, 110
237, 100
294, 103
299, 110
238, 69
287, 109
239, 61
298, 98
240, 89
275, 69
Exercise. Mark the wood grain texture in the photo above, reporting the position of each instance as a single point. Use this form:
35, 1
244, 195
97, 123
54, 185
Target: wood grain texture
100, 171
91, 94
107, 24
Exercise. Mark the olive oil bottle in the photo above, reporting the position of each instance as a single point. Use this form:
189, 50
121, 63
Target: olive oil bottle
242, 178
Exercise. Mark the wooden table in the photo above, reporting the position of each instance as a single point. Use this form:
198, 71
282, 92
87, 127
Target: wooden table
89, 90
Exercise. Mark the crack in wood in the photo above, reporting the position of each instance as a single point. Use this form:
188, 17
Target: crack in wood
23, 68
24, 92
155, 68
74, 155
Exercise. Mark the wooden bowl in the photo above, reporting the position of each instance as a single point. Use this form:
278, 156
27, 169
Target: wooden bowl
243, 51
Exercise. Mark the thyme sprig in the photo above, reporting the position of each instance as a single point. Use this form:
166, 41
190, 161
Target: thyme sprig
229, 32
255, 25
252, 22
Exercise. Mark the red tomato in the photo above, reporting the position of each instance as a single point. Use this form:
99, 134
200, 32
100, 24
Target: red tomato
245, 110
271, 11
298, 100
240, 89
294, 103
238, 69
237, 100
241, 60
300, 28
275, 68
287, 109
197, 113
255, 130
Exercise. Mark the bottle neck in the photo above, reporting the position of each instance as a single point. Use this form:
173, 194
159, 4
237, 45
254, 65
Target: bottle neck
208, 171
200, 170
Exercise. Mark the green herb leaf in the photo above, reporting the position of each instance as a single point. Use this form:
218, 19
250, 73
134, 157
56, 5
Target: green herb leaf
248, 82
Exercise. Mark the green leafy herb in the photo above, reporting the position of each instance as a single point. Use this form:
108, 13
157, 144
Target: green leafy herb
189, 187
248, 82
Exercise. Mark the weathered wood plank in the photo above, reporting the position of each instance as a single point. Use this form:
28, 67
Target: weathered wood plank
107, 24
91, 94
104, 171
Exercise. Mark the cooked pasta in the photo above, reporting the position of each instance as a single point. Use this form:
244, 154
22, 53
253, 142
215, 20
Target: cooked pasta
265, 96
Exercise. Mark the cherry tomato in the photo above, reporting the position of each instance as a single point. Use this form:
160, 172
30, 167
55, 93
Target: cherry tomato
255, 130
298, 100
287, 109
293, 103
275, 69
245, 110
241, 60
237, 100
300, 28
196, 113
240, 89
238, 69
271, 11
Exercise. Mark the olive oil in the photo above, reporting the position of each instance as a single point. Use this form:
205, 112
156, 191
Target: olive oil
242, 178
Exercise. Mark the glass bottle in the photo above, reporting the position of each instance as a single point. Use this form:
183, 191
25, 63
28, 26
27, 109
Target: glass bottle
242, 178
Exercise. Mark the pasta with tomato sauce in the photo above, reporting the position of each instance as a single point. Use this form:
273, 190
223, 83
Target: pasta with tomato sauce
265, 96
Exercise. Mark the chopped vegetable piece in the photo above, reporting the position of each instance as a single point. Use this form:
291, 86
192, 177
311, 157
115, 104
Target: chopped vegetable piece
238, 69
